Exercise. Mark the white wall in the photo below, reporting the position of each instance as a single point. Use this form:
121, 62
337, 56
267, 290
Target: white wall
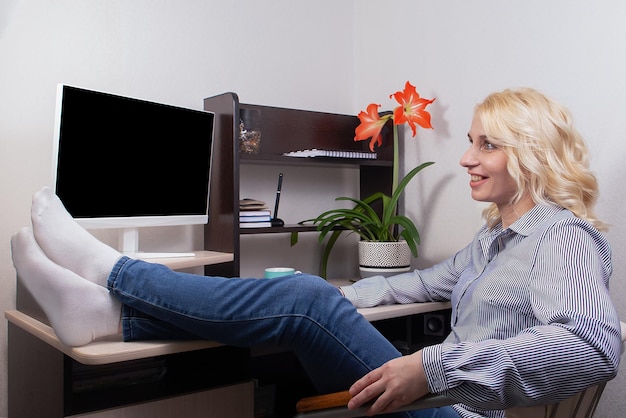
322, 55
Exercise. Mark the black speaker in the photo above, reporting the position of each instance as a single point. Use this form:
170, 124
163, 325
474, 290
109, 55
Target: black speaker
435, 324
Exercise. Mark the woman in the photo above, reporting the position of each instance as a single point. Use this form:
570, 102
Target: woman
532, 320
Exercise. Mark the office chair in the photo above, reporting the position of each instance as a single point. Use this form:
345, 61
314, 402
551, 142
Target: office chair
581, 405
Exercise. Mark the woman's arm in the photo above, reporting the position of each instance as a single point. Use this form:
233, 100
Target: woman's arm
434, 284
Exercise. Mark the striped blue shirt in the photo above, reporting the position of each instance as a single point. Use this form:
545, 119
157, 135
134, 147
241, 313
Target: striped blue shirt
532, 319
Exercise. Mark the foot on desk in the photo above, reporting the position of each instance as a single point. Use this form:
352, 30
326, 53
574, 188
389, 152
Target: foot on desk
66, 243
79, 311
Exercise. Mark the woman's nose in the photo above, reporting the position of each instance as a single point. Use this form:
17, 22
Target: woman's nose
468, 159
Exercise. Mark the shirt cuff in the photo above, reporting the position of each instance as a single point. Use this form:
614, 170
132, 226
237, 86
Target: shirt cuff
433, 368
349, 293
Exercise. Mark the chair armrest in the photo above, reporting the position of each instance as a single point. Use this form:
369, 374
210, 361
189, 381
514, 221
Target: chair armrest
333, 405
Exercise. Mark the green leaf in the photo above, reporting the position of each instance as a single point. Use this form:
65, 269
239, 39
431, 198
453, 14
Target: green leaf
398, 192
326, 253
411, 243
294, 238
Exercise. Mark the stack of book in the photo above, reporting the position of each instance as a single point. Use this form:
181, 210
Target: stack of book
254, 214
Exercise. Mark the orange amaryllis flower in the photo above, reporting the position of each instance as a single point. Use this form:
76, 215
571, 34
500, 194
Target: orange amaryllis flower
412, 109
371, 125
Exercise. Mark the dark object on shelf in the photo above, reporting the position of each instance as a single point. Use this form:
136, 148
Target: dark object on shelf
250, 132
277, 221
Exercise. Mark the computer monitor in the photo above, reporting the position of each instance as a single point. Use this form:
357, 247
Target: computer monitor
121, 162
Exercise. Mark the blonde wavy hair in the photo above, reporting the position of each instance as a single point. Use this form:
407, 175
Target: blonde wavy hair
547, 157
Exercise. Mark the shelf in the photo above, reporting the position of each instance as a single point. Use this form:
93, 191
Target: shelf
289, 228
265, 159
278, 230
286, 130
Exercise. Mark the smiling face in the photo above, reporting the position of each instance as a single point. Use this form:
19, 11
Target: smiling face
490, 181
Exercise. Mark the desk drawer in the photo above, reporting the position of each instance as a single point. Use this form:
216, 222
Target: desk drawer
235, 401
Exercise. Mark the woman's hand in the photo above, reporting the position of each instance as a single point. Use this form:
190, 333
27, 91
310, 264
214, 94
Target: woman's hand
396, 383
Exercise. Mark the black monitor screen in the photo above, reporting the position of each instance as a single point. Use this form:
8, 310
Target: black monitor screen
120, 157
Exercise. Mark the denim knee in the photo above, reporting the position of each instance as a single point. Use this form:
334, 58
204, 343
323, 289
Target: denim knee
315, 287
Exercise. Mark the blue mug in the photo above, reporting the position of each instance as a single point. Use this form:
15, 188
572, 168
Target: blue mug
272, 272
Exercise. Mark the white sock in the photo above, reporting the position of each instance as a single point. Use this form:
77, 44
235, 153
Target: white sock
79, 311
66, 243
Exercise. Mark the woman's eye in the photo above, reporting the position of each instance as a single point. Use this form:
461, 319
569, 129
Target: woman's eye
488, 146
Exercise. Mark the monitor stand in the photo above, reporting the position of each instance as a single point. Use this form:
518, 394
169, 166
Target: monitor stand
129, 246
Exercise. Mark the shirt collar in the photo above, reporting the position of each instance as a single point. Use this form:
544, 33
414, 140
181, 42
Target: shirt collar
524, 226
529, 221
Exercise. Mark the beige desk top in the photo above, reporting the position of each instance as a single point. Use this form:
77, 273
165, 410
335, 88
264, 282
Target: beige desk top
201, 258
105, 351
394, 311
113, 349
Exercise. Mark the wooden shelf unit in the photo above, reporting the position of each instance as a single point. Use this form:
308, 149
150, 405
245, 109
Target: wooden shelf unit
284, 130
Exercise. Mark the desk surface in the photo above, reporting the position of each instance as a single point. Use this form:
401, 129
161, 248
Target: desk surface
105, 351
113, 349
200, 258
394, 311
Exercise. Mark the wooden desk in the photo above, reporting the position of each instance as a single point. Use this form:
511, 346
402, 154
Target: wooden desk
41, 367
113, 350
380, 313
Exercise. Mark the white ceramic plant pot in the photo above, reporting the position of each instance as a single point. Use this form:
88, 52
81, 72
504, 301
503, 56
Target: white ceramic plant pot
383, 258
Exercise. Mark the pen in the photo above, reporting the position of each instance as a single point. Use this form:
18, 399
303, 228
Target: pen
275, 220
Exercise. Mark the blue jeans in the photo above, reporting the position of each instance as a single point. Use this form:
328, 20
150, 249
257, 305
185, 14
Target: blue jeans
302, 313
